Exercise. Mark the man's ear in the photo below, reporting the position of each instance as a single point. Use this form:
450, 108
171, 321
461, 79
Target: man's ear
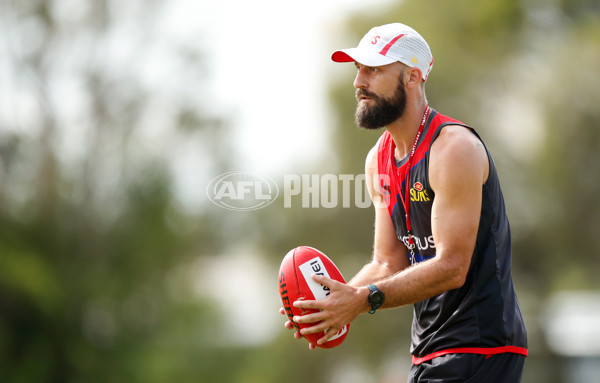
413, 77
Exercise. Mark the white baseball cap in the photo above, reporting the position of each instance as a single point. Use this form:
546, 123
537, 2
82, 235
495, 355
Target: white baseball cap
389, 43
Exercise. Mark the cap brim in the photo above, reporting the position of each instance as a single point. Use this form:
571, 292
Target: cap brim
362, 56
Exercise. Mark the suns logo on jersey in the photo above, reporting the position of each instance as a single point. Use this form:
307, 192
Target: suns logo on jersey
418, 193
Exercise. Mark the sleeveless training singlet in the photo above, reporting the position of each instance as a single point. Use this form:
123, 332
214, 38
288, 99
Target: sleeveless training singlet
482, 316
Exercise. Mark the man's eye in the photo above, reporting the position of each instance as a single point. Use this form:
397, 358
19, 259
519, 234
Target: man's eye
369, 68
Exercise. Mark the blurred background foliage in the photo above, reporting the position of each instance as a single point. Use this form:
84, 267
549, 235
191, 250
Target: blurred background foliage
105, 276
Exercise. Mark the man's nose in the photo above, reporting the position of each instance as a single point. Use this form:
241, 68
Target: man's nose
360, 81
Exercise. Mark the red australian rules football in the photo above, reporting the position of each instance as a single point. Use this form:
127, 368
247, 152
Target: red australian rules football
295, 283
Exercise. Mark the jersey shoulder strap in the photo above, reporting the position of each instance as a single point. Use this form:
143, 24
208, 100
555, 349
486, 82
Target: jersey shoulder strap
440, 121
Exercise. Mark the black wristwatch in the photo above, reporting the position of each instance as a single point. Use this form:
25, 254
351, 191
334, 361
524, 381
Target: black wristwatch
376, 298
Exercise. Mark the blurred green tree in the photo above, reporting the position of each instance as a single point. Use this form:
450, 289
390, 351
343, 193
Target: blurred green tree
92, 239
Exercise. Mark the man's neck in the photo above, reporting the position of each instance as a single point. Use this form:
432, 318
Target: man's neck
404, 129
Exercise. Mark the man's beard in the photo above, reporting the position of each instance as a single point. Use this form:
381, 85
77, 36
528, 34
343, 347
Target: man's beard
384, 110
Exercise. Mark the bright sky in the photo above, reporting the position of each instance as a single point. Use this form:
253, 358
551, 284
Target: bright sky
269, 67
271, 64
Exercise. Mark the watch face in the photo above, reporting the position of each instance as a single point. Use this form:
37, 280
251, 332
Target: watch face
377, 298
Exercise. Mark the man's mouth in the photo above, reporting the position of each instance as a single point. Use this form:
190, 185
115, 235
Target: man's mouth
362, 95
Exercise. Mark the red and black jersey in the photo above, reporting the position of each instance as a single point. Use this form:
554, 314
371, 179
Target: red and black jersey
482, 316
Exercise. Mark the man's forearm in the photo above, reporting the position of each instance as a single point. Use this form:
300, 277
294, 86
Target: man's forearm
371, 273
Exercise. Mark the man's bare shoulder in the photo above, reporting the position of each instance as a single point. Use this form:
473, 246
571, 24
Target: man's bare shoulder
371, 159
372, 173
458, 150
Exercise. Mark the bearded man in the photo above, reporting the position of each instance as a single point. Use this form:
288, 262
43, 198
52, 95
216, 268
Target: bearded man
442, 237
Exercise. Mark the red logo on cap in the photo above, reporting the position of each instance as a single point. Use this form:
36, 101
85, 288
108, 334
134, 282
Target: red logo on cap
385, 49
374, 40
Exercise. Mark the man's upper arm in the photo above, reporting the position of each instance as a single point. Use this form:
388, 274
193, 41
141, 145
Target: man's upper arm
458, 169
